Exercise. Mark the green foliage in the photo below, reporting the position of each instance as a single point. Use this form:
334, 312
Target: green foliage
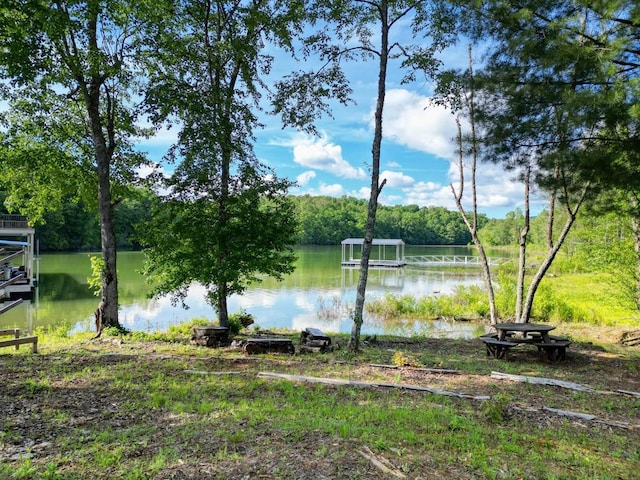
328, 221
187, 242
115, 331
227, 220
465, 302
496, 409
95, 280
238, 321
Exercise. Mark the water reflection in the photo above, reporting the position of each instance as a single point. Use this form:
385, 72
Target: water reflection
320, 294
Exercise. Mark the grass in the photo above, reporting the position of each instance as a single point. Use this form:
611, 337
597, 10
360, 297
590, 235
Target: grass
125, 407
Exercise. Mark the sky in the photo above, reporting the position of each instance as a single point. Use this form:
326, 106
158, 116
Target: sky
418, 158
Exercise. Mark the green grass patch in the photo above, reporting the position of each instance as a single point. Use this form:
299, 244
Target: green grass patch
165, 409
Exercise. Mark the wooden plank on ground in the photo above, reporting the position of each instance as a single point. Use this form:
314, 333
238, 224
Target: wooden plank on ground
542, 381
353, 383
381, 463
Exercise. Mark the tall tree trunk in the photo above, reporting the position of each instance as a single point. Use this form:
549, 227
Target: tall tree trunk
472, 225
108, 308
551, 254
223, 312
376, 187
109, 300
522, 242
635, 225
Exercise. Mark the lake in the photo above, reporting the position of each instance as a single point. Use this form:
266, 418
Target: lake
320, 293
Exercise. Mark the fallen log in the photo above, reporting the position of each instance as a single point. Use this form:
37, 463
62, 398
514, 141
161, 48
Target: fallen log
353, 383
542, 381
569, 414
579, 416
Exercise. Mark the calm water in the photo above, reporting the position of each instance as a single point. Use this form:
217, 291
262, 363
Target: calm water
320, 293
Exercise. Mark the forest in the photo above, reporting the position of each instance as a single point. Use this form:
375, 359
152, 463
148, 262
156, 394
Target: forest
321, 220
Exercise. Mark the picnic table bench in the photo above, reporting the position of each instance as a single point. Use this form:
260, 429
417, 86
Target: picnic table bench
551, 347
555, 350
498, 348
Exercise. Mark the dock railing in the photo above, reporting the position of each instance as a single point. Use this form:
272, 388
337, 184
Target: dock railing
451, 261
13, 221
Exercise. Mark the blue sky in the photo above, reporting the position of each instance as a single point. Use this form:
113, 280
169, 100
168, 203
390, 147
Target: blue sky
418, 153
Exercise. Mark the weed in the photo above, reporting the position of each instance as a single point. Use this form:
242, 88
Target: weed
26, 469
496, 410
34, 386
51, 472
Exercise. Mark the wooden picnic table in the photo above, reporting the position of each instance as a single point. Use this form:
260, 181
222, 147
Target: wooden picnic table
498, 345
504, 329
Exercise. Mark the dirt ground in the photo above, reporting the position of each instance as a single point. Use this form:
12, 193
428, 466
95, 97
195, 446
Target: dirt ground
615, 373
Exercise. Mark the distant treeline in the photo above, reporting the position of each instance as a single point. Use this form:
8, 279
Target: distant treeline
323, 221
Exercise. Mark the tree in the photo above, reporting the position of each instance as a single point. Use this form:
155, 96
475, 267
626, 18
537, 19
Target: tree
585, 57
189, 243
537, 116
225, 219
353, 23
71, 73
467, 99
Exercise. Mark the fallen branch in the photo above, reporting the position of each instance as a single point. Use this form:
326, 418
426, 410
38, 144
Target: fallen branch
631, 338
627, 392
204, 372
542, 381
579, 416
569, 414
418, 369
381, 463
337, 381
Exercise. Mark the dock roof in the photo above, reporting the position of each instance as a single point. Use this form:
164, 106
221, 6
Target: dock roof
376, 241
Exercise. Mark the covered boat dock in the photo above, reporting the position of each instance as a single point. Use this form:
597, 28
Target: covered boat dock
17, 276
388, 254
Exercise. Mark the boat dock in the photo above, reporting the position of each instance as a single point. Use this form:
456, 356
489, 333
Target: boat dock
17, 275
390, 254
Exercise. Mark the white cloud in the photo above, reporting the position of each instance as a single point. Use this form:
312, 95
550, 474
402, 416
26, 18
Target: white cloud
333, 190
495, 189
321, 154
305, 177
364, 192
411, 121
397, 179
